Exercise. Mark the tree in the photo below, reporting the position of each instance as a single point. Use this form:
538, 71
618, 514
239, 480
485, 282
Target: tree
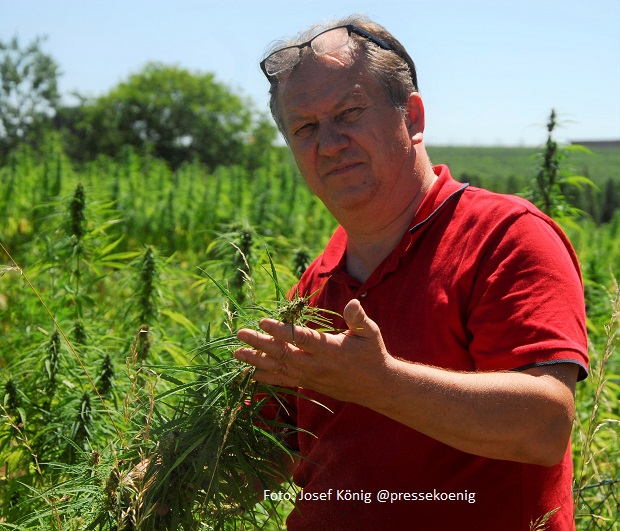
171, 113
28, 93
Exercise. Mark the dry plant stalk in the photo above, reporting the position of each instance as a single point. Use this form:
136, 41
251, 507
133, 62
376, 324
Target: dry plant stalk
587, 455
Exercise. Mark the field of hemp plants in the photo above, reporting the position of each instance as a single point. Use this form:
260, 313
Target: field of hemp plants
122, 284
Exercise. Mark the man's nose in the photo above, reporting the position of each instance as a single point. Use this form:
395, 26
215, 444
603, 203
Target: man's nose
332, 139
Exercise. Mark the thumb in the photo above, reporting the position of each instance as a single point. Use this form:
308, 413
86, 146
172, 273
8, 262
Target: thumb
357, 320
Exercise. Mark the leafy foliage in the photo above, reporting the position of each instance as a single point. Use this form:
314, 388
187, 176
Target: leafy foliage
511, 169
596, 455
171, 113
29, 93
119, 392
547, 188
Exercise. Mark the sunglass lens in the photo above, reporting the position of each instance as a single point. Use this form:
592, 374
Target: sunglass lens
330, 41
282, 60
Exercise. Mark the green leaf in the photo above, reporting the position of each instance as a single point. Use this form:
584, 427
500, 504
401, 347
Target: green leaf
182, 320
579, 181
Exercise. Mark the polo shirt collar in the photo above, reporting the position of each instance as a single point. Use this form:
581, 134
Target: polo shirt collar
333, 262
444, 189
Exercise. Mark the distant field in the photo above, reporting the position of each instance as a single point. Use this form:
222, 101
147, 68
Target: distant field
494, 165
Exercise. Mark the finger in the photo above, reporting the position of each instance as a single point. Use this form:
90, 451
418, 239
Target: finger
278, 380
269, 370
254, 357
256, 339
270, 353
277, 341
299, 336
358, 322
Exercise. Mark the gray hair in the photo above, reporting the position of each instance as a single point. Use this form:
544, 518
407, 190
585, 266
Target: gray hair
393, 69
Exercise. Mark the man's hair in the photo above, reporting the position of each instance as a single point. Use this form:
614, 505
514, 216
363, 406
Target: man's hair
393, 69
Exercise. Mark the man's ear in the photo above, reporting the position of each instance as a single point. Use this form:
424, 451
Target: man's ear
415, 117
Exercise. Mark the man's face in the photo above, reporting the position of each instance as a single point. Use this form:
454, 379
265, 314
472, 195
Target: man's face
352, 146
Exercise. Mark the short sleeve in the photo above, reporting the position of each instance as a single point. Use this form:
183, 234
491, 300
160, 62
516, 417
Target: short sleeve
527, 307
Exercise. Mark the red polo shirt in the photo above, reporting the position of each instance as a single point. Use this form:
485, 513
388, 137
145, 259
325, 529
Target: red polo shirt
481, 282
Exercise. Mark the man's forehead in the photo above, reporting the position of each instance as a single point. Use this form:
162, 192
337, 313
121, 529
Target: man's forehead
302, 101
322, 78
329, 64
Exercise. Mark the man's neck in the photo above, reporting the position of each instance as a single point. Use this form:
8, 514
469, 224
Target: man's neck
369, 246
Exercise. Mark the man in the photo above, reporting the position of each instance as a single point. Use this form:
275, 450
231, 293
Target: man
448, 402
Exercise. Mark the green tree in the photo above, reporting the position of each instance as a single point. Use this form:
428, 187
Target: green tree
29, 93
172, 114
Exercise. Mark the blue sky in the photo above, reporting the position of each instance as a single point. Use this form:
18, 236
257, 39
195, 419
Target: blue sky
490, 71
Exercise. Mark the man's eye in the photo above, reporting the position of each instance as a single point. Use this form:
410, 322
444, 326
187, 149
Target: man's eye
351, 113
304, 130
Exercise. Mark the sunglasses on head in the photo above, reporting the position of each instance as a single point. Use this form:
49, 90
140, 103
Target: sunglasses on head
328, 41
